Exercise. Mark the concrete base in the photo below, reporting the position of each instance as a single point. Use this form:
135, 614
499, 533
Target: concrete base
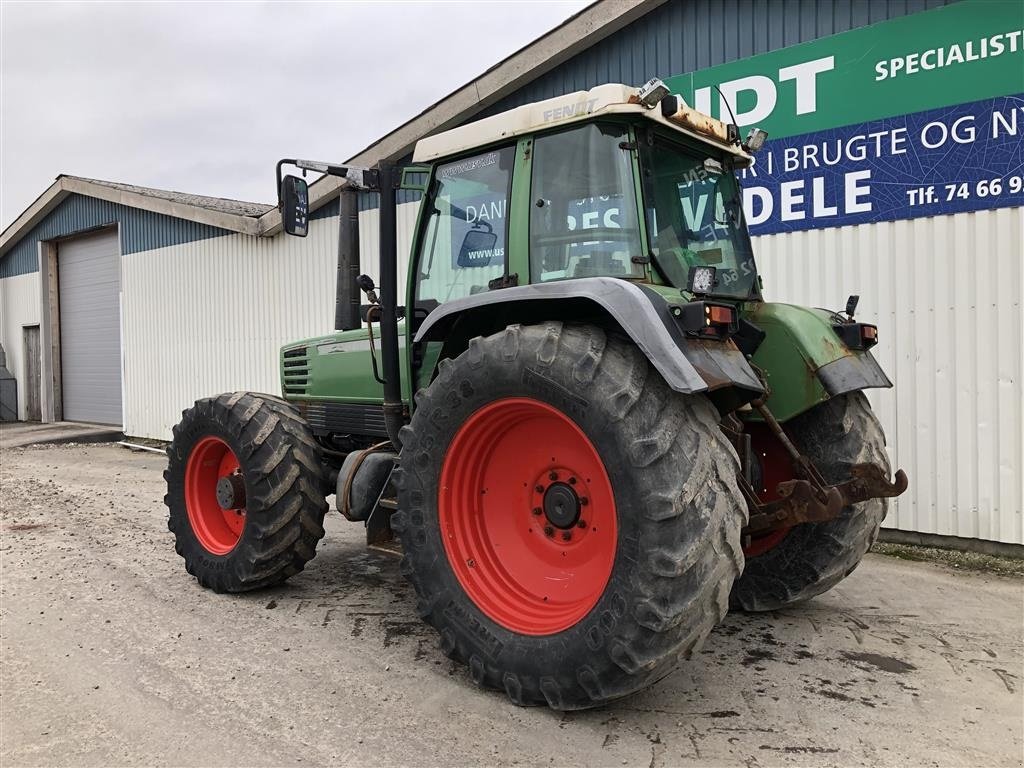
981, 546
22, 433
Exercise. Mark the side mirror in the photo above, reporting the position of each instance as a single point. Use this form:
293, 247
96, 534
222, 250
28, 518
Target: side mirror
477, 248
294, 205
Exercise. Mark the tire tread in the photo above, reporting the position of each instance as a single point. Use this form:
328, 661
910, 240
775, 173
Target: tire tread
814, 557
689, 521
281, 462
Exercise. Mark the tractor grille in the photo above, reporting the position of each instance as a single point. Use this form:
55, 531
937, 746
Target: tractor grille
295, 367
345, 418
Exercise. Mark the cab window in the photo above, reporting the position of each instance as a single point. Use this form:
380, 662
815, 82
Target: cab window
464, 237
583, 217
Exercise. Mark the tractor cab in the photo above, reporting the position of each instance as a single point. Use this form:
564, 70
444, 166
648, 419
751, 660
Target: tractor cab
594, 184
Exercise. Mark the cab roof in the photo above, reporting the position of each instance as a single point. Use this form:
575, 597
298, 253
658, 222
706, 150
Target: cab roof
604, 100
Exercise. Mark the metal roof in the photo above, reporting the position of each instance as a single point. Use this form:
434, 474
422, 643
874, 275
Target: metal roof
220, 204
222, 213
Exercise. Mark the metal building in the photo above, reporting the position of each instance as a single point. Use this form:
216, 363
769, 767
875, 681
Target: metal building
121, 304
125, 304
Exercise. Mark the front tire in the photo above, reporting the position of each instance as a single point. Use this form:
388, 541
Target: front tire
243, 491
571, 525
809, 559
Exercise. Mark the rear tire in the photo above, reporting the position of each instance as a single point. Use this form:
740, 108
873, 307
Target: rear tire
812, 558
275, 508
635, 603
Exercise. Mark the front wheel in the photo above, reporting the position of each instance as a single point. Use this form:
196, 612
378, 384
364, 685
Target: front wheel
243, 491
571, 525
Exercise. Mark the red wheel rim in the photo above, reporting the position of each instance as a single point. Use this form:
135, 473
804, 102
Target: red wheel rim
776, 467
218, 530
514, 462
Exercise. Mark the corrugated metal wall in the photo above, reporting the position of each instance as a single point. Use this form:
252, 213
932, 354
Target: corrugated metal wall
209, 316
946, 294
369, 242
19, 306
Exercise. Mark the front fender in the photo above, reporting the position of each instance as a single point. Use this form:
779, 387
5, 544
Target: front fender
687, 364
805, 362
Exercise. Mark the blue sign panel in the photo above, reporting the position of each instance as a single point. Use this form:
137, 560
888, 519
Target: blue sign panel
963, 158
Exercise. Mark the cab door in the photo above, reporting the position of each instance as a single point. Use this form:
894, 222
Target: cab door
461, 247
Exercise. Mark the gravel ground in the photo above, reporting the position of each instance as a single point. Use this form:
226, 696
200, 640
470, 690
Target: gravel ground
112, 655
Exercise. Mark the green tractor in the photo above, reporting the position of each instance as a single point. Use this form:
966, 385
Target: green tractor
588, 431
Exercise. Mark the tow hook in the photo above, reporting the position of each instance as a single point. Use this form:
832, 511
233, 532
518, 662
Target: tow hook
810, 499
868, 481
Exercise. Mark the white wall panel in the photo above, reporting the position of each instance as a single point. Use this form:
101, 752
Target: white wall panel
946, 294
369, 242
19, 306
209, 316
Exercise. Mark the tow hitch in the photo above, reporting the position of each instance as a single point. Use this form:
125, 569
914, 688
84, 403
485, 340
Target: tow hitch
809, 498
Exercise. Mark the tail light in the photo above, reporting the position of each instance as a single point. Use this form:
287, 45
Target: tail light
857, 335
708, 319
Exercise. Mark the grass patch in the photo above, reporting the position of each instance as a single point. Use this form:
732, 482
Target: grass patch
965, 561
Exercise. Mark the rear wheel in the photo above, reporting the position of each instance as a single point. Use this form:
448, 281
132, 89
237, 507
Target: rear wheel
243, 492
570, 524
791, 565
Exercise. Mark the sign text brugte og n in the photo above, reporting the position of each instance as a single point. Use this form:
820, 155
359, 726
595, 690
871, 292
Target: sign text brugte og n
919, 116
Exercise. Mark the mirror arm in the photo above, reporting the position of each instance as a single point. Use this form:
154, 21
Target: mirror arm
360, 178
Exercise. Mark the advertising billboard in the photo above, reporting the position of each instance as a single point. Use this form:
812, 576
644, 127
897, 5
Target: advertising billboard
918, 116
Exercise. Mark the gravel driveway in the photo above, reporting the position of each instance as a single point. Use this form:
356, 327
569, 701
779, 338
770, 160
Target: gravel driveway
112, 655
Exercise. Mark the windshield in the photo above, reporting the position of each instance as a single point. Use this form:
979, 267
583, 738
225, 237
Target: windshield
695, 218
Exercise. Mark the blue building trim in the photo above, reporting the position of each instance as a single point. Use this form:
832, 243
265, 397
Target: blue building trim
140, 230
370, 201
331, 209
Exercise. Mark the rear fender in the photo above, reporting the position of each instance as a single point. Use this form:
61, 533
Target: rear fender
687, 364
805, 361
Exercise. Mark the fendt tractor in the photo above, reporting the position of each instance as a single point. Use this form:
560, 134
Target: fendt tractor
587, 429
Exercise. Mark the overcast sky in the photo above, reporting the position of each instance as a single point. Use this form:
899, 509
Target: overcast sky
205, 97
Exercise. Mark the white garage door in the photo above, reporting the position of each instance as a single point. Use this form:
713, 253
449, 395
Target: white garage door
90, 328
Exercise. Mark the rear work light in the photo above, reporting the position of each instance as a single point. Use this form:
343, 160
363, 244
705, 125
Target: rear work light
857, 335
708, 319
